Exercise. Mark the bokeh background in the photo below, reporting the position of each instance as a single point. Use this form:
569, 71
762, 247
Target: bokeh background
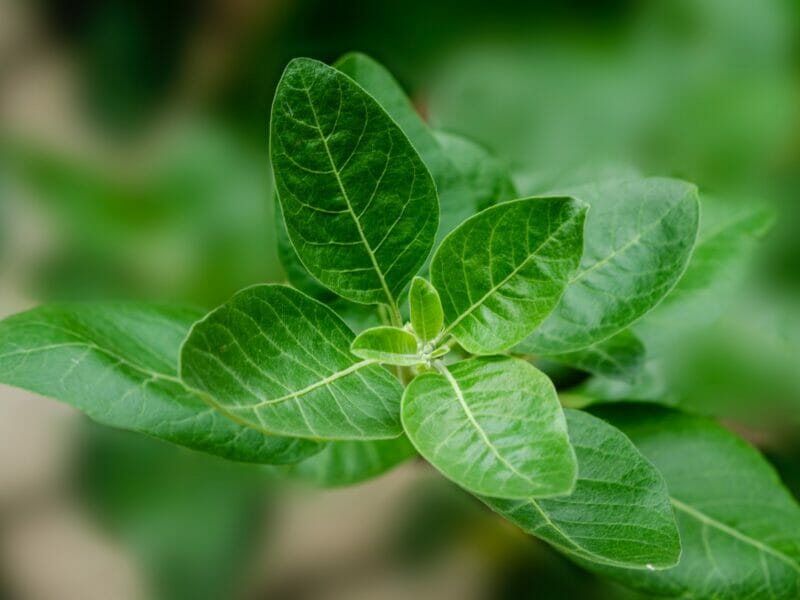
134, 164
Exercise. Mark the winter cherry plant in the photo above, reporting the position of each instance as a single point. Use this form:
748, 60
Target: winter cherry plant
461, 294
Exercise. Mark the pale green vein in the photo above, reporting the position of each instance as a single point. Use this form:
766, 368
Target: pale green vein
703, 518
461, 400
389, 297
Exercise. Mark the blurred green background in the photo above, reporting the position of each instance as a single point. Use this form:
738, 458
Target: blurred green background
134, 164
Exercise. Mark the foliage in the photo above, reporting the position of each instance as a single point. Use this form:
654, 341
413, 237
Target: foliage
384, 219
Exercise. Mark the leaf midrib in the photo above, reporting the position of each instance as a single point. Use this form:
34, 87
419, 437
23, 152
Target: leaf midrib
583, 552
311, 387
460, 397
634, 241
506, 279
711, 522
389, 297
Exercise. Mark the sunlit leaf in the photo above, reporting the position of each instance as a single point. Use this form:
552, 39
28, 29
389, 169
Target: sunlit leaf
619, 512
492, 425
278, 361
502, 272
117, 363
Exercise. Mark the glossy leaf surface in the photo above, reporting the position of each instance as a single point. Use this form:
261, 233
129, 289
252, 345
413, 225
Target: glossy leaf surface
118, 364
492, 425
279, 361
619, 512
467, 177
359, 204
501, 272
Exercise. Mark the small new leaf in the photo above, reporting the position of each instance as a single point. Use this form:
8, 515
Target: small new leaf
501, 272
493, 425
390, 345
427, 317
278, 361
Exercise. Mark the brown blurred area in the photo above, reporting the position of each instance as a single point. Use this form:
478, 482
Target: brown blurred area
134, 164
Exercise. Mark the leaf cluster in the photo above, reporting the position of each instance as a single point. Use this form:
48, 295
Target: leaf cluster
385, 221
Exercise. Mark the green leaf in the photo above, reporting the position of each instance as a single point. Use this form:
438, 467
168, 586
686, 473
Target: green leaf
740, 528
619, 512
619, 357
501, 272
348, 463
359, 204
638, 240
427, 317
728, 235
296, 273
117, 364
381, 85
467, 177
278, 361
493, 425
390, 345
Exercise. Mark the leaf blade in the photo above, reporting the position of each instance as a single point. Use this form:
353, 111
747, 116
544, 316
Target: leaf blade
310, 386
739, 532
502, 271
638, 240
132, 349
621, 356
499, 414
359, 204
619, 512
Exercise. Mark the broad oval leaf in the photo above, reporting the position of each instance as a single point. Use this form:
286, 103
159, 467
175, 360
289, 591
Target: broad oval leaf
494, 426
501, 272
296, 273
740, 528
118, 364
278, 361
390, 345
467, 177
427, 317
619, 512
351, 462
381, 85
359, 204
619, 357
638, 240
